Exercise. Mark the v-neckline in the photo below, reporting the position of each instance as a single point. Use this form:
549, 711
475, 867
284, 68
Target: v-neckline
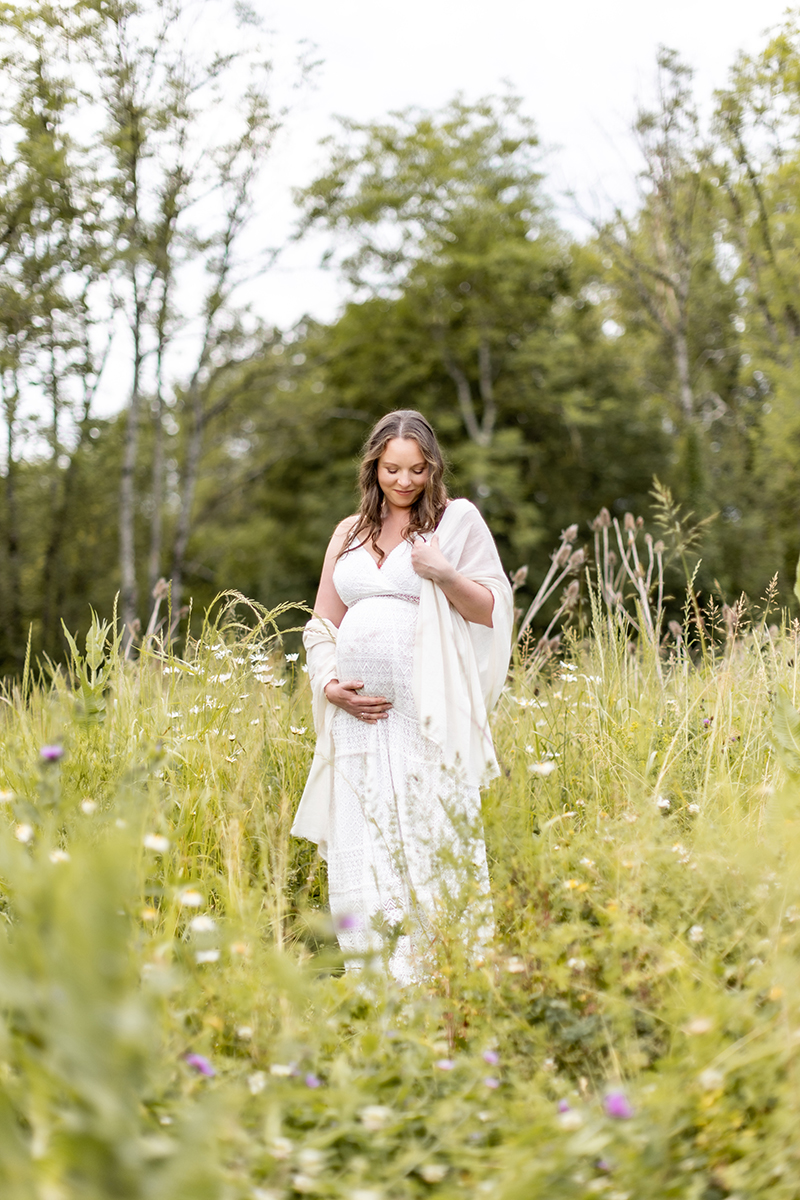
380, 565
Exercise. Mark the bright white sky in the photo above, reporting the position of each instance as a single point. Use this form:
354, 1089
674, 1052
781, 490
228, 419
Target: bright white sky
580, 65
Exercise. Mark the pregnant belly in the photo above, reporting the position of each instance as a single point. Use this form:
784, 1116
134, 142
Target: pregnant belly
375, 644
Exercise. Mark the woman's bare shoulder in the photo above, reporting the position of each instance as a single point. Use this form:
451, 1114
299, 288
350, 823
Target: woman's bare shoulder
343, 530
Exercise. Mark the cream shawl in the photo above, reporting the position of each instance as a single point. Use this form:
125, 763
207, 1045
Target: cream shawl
459, 670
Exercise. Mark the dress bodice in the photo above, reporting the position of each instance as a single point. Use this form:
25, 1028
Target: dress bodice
357, 576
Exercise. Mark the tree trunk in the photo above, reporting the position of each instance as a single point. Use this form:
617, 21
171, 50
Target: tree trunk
190, 473
12, 608
127, 501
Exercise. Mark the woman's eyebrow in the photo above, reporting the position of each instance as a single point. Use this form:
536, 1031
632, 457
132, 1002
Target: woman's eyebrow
414, 466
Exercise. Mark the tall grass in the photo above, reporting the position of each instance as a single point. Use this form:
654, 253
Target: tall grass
173, 1017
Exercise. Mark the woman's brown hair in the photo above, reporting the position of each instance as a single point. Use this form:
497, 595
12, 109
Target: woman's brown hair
426, 511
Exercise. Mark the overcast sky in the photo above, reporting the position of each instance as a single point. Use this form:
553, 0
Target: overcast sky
580, 65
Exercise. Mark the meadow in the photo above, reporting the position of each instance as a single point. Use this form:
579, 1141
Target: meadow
174, 1020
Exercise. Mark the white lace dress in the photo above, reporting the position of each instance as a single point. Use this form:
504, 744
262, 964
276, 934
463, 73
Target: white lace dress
405, 844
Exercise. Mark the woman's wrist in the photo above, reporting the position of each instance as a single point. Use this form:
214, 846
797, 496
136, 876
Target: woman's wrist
327, 685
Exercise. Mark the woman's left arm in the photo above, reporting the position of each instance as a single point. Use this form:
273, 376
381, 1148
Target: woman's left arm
472, 600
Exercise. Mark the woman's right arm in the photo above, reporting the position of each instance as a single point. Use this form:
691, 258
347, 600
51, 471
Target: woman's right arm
330, 605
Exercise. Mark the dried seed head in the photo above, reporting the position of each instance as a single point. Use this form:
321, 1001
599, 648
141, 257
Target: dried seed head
572, 593
676, 629
629, 521
603, 518
731, 617
569, 535
161, 590
577, 560
562, 555
639, 522
519, 577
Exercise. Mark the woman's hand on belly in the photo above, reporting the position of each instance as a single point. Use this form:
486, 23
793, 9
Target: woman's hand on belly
346, 696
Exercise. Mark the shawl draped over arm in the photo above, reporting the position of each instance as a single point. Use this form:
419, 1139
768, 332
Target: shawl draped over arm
459, 670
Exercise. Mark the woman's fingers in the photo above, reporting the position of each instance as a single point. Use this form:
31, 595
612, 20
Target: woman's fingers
365, 708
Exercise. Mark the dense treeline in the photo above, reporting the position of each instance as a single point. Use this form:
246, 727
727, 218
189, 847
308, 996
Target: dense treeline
562, 376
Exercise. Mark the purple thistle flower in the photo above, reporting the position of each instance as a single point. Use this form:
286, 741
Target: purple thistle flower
312, 1081
618, 1106
200, 1063
491, 1082
347, 921
604, 1165
445, 1064
563, 1106
51, 753
491, 1057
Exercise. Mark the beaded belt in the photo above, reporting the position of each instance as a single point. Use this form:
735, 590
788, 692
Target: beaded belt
389, 596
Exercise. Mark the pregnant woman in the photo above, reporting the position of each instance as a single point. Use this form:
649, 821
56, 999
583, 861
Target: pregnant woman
407, 652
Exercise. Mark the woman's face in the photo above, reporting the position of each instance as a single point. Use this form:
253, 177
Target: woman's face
402, 472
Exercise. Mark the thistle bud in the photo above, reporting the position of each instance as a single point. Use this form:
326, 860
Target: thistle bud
519, 577
562, 555
572, 594
659, 547
569, 535
676, 629
629, 521
161, 590
603, 518
639, 522
577, 560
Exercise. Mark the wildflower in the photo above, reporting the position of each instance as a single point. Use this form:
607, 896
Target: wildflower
149, 914
491, 1057
663, 802
303, 1183
491, 1082
698, 1025
576, 964
347, 921
240, 948
206, 956
312, 1081
6, 797
375, 1116
291, 657
244, 1032
587, 862
433, 1172
696, 934
297, 729
121, 823
24, 832
173, 716
311, 1160
200, 1063
568, 1117
710, 1080
51, 753
190, 898
542, 768
221, 678
304, 668
157, 842
515, 965
281, 1147
693, 808
202, 924
618, 1106
283, 1070
256, 1082
444, 1064
57, 856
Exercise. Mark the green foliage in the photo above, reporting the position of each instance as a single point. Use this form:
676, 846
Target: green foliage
154, 906
92, 671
